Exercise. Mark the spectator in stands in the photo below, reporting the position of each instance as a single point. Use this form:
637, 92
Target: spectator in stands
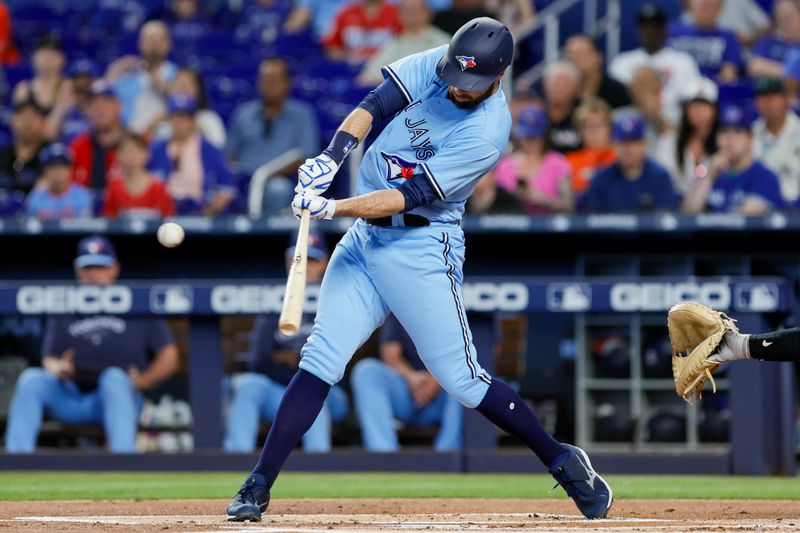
398, 387
196, 173
660, 118
190, 82
689, 154
57, 196
716, 51
776, 136
770, 51
318, 15
19, 161
593, 121
264, 129
273, 363
93, 367
361, 29
515, 14
560, 86
594, 82
48, 75
489, 199
261, 20
538, 175
675, 68
96, 152
459, 13
115, 17
141, 83
735, 181
745, 18
418, 35
136, 193
187, 21
70, 116
634, 182
8, 51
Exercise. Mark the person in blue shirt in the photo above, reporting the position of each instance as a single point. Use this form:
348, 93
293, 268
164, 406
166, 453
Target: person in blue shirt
635, 182
69, 118
195, 171
717, 52
56, 196
766, 60
94, 367
735, 181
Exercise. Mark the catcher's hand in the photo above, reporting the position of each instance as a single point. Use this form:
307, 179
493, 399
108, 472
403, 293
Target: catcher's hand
695, 331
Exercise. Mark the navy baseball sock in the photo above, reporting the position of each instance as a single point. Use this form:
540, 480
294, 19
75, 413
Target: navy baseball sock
300, 405
504, 407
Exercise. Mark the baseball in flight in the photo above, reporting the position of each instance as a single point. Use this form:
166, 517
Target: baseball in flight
170, 234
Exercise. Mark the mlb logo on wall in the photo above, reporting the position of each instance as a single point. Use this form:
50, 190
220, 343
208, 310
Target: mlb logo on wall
466, 62
171, 299
569, 297
757, 297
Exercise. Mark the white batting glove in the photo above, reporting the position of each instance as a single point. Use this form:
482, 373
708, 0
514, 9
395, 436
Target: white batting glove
316, 174
321, 208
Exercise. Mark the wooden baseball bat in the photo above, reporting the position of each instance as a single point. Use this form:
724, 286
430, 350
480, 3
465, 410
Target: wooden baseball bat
295, 295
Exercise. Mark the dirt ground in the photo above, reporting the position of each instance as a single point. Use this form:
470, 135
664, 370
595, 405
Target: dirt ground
407, 515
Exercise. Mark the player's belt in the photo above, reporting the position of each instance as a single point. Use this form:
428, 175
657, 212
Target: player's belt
409, 221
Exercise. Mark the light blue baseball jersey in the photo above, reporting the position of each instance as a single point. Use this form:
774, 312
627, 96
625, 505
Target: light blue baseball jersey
452, 147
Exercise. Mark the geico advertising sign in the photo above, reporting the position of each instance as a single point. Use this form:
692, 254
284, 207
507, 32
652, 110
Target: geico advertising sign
660, 296
85, 299
232, 299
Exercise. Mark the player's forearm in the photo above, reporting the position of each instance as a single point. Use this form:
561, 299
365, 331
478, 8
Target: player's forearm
166, 363
357, 123
372, 205
695, 201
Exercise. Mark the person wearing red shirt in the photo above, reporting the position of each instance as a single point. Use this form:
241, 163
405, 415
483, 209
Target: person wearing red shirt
95, 152
361, 29
137, 193
8, 52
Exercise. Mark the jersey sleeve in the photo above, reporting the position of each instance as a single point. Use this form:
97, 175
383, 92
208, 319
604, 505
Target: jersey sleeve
459, 164
412, 74
56, 339
159, 336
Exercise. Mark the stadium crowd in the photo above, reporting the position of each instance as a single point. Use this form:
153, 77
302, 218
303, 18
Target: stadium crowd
697, 118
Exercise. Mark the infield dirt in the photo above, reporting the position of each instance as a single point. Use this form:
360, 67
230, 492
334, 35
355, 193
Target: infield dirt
407, 515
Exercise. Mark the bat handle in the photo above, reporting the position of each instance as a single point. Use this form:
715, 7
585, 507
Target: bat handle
294, 297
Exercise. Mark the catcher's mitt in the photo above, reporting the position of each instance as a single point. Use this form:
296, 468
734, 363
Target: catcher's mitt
695, 331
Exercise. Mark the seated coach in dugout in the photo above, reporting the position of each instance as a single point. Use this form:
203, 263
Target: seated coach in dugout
398, 387
94, 368
273, 362
634, 182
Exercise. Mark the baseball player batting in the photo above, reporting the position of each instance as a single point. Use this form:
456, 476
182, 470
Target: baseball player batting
448, 126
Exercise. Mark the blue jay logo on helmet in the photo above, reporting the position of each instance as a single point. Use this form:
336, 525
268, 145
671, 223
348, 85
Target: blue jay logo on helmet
95, 247
398, 168
466, 62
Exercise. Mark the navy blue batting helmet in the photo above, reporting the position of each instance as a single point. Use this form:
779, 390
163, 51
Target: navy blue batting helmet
478, 53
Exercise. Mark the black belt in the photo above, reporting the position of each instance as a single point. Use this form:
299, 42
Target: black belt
409, 220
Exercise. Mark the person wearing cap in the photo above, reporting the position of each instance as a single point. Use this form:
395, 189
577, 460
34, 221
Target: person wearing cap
583, 52
195, 171
448, 125
717, 52
688, 149
561, 84
593, 122
136, 193
776, 136
634, 182
94, 367
20, 166
360, 29
735, 182
538, 175
70, 116
398, 387
57, 196
746, 19
768, 54
676, 68
48, 63
95, 151
272, 363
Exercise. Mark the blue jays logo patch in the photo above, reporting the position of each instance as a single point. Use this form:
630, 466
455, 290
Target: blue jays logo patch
397, 167
466, 62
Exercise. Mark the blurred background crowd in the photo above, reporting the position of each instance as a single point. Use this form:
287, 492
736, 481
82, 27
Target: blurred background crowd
161, 107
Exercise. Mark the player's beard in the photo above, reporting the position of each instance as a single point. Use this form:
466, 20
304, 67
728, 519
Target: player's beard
474, 102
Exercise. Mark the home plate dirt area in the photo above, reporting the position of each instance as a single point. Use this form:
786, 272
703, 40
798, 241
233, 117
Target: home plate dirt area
406, 515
